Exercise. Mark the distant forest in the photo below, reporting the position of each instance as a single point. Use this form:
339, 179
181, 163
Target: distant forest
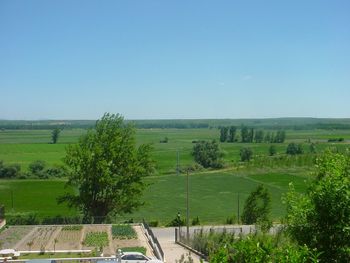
273, 123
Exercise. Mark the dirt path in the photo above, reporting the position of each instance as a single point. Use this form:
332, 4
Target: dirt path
81, 238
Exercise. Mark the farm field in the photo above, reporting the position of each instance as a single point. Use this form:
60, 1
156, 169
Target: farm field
53, 238
26, 146
213, 195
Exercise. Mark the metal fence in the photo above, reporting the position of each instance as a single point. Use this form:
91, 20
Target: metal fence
153, 241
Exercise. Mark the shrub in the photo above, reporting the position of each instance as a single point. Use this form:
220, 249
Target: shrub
195, 221
246, 154
294, 149
208, 154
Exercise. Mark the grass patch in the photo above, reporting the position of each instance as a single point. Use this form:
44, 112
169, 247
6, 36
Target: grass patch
142, 250
123, 232
54, 255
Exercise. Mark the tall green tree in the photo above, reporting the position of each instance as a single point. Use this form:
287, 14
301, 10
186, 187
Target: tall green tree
320, 218
54, 135
294, 149
208, 154
259, 136
246, 154
223, 134
257, 207
245, 134
232, 134
107, 170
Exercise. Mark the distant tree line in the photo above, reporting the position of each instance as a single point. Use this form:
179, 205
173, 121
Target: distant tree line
250, 135
266, 124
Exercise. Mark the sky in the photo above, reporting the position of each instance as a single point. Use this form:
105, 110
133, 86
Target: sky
159, 59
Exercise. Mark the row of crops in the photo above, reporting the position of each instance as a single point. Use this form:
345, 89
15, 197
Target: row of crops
46, 238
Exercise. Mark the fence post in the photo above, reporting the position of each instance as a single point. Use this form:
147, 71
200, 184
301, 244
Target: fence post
176, 235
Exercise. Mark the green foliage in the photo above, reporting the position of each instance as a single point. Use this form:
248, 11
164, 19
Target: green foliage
262, 249
294, 149
96, 239
177, 221
195, 221
257, 208
223, 134
232, 134
208, 154
142, 250
107, 169
123, 232
272, 150
9, 171
246, 154
72, 228
55, 134
37, 168
321, 218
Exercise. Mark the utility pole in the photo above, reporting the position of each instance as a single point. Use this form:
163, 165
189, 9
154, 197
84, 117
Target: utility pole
177, 163
188, 208
238, 209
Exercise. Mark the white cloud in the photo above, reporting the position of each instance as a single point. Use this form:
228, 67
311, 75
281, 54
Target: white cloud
247, 77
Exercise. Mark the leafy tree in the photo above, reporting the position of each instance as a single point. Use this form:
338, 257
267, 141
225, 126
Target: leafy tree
55, 134
321, 217
245, 134
294, 149
208, 154
251, 135
313, 148
257, 207
232, 134
9, 171
107, 169
267, 137
37, 168
223, 134
272, 150
246, 154
259, 136
280, 136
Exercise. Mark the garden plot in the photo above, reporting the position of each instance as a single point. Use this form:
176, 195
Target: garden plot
12, 235
40, 239
98, 237
127, 236
69, 238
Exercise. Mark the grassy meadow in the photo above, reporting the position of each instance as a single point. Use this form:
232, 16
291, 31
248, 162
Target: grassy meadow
213, 194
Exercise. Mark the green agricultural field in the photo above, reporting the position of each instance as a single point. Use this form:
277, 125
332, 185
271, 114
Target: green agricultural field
26, 146
213, 195
33, 196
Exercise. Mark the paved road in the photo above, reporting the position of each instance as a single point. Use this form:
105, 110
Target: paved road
172, 251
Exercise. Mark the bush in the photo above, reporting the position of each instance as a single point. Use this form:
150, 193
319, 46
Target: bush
246, 154
153, 223
23, 219
37, 167
208, 154
195, 221
294, 149
9, 171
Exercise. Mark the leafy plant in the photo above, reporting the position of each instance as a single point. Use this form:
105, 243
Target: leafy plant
96, 239
123, 232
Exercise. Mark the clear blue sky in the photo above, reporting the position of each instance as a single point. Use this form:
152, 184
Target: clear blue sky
174, 59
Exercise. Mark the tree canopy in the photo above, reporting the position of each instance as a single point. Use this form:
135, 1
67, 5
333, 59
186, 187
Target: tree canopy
321, 218
208, 154
107, 169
